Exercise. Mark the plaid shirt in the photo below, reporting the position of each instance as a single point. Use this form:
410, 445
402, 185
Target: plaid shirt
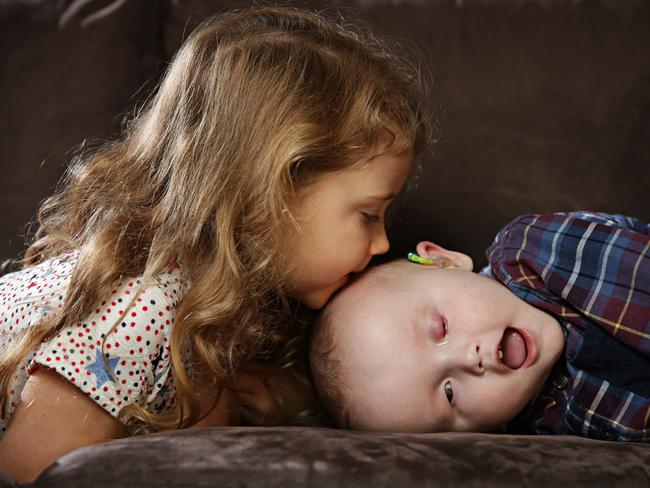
592, 273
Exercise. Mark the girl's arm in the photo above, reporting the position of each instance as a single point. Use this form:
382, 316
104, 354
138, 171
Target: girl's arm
227, 411
52, 419
270, 395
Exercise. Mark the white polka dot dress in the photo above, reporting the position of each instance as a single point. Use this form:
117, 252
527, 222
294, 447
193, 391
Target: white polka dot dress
115, 361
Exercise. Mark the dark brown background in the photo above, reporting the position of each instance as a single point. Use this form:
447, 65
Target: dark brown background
546, 104
546, 107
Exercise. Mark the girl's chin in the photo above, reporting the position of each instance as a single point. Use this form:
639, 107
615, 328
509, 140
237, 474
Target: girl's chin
317, 299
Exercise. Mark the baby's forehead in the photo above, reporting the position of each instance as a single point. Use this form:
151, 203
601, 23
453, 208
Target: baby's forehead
356, 298
370, 294
380, 280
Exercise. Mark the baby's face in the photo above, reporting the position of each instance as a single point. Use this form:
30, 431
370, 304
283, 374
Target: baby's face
442, 350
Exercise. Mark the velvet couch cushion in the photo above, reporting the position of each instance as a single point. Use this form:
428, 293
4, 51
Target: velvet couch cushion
286, 457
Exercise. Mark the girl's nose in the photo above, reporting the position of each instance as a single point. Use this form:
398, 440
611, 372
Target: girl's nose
379, 243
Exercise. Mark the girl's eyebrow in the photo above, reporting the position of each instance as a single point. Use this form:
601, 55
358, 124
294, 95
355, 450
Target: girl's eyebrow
383, 197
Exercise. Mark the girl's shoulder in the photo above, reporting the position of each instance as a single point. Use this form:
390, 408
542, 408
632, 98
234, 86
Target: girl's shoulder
55, 269
119, 354
32, 293
171, 284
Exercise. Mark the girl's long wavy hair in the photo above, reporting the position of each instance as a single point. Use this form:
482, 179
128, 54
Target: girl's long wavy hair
254, 107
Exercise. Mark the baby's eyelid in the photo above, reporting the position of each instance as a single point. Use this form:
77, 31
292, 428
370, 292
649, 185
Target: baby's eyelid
449, 392
442, 331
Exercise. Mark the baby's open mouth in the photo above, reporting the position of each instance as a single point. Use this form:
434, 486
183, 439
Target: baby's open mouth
512, 349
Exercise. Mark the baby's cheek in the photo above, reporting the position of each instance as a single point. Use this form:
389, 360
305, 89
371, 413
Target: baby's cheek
497, 403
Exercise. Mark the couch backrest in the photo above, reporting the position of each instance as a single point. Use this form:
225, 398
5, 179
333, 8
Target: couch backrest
544, 105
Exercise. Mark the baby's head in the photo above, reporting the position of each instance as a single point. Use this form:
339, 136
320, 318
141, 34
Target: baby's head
407, 347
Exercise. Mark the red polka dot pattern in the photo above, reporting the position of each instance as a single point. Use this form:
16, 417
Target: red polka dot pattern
119, 355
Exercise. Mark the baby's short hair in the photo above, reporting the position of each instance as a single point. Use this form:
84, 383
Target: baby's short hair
327, 367
327, 370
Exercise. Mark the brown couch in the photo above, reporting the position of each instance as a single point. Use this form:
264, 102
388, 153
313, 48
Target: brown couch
285, 457
544, 105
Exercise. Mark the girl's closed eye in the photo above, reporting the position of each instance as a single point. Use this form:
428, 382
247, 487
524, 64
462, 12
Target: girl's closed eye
449, 392
372, 217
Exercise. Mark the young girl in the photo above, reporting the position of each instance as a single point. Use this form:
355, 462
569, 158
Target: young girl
257, 175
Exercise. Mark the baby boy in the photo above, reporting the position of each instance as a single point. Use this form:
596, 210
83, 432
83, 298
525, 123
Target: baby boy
552, 337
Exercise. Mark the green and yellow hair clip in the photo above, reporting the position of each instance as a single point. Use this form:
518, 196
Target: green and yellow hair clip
436, 261
415, 258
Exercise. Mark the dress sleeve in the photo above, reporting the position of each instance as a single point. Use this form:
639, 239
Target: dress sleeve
117, 359
580, 266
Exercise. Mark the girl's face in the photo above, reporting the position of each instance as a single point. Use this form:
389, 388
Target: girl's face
341, 219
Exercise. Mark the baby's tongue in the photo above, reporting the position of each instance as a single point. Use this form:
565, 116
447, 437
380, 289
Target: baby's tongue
514, 349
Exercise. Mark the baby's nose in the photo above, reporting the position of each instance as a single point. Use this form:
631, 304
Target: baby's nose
474, 359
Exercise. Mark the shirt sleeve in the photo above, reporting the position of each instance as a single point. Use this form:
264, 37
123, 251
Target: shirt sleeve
580, 266
119, 355
619, 220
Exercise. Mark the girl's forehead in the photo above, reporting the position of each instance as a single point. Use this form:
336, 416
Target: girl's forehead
387, 148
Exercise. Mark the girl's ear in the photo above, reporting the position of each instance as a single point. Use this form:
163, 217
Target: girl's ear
447, 259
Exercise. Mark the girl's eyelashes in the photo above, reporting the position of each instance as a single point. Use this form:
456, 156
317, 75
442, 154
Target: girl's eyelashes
449, 392
372, 218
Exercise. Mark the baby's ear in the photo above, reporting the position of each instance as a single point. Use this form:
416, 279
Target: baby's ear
445, 258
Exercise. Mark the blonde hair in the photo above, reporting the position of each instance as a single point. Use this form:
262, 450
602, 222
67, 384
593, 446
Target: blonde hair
255, 105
